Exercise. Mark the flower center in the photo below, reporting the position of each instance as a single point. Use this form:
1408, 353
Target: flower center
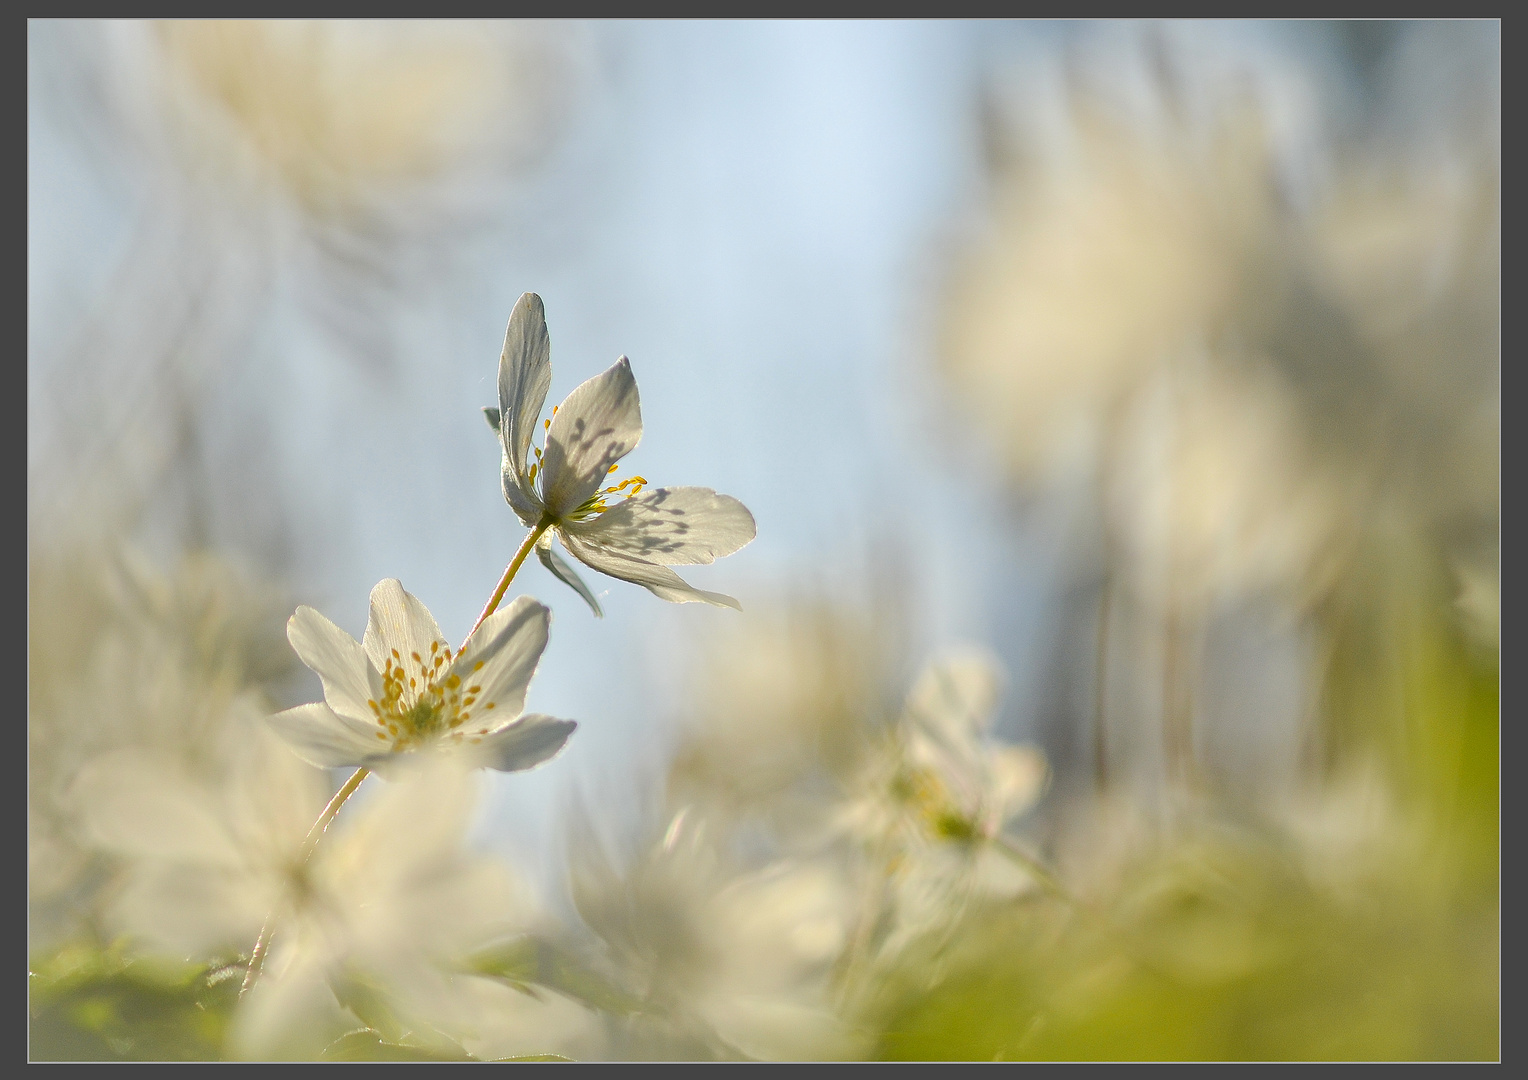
424, 699
932, 804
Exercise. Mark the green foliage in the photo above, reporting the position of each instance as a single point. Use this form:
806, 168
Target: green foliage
93, 1003
1231, 943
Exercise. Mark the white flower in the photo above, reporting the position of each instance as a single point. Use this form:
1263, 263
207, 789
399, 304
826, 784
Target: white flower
938, 777
205, 861
638, 536
726, 963
931, 805
402, 688
388, 905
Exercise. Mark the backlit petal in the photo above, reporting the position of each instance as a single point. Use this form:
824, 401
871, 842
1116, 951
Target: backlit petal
525, 373
526, 743
671, 526
338, 659
399, 622
499, 659
598, 424
658, 580
320, 737
133, 804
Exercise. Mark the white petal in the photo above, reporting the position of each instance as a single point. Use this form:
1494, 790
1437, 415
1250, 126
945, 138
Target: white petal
1019, 774
499, 659
658, 580
956, 696
671, 526
322, 737
528, 742
565, 573
134, 805
598, 424
525, 374
337, 658
399, 624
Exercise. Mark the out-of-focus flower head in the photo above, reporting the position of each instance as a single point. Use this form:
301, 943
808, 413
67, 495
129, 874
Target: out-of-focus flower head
1191, 287
401, 689
939, 777
620, 530
726, 962
122, 655
389, 903
207, 858
929, 806
779, 710
345, 113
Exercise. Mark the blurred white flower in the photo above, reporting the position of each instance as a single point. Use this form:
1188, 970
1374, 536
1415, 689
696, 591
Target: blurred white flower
638, 537
386, 907
930, 805
725, 963
938, 777
402, 688
346, 112
207, 860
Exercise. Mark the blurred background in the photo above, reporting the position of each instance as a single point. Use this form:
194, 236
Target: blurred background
1159, 360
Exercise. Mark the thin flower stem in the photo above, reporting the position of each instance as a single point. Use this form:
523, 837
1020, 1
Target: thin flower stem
1035, 867
257, 956
510, 571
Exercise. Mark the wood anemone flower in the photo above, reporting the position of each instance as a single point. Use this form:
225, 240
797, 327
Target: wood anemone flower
621, 530
402, 689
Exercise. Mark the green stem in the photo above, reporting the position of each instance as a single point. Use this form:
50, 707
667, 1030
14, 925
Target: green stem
510, 571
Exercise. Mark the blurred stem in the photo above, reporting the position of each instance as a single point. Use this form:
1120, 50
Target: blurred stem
510, 571
257, 956
1033, 865
1101, 685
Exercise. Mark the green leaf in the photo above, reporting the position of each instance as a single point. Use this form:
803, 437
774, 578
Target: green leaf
528, 962
366, 1044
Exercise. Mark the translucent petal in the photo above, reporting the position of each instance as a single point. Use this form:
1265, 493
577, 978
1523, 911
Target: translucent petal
133, 804
508, 647
658, 580
338, 659
321, 737
525, 374
671, 526
398, 621
598, 424
956, 697
565, 573
1019, 775
528, 742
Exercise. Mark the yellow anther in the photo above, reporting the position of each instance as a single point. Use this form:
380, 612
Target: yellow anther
477, 666
489, 705
397, 657
434, 647
412, 684
612, 469
453, 680
474, 689
468, 701
545, 424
